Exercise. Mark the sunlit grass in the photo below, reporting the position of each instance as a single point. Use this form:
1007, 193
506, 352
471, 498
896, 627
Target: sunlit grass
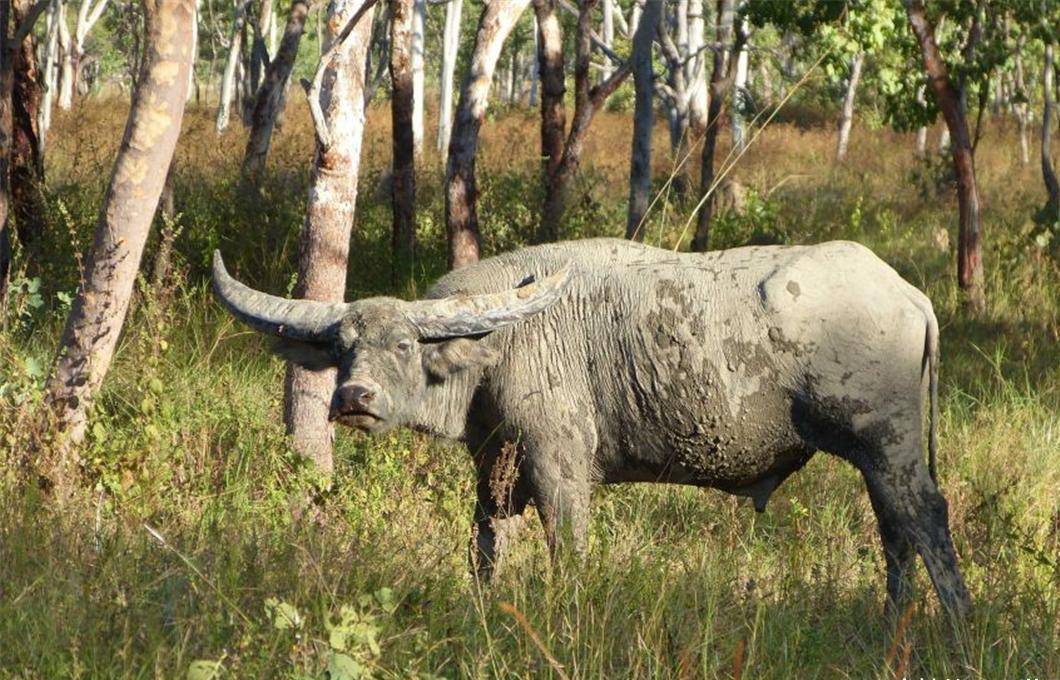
186, 548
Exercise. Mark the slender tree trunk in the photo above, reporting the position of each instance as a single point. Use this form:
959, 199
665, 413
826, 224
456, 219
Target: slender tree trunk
235, 54
27, 172
607, 34
719, 79
739, 89
194, 48
325, 239
969, 251
98, 313
553, 85
643, 114
1020, 108
419, 46
1048, 173
7, 81
49, 75
167, 209
846, 116
270, 96
450, 48
922, 131
696, 71
587, 101
461, 194
535, 71
402, 109
259, 53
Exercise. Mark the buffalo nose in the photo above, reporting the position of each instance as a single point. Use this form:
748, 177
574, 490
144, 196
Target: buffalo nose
358, 396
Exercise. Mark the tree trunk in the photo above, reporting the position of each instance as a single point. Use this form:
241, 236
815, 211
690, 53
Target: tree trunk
269, 99
1020, 108
450, 48
969, 250
846, 116
235, 54
325, 241
922, 131
1048, 174
7, 78
587, 101
553, 85
696, 71
607, 35
402, 110
27, 172
718, 85
643, 114
49, 75
419, 46
98, 312
461, 192
739, 90
259, 53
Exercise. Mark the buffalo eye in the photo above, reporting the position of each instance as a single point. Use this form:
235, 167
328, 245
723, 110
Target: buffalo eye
404, 346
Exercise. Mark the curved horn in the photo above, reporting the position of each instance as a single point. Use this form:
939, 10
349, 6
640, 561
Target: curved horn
461, 315
295, 319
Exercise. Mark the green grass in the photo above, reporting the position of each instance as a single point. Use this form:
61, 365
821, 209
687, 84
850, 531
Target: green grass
191, 542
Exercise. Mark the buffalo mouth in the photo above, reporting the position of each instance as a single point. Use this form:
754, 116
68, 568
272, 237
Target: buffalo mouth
359, 418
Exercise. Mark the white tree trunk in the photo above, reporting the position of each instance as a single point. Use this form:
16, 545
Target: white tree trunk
194, 48
607, 34
232, 63
922, 131
49, 70
944, 139
846, 115
739, 87
696, 68
450, 47
640, 154
87, 16
66, 71
419, 17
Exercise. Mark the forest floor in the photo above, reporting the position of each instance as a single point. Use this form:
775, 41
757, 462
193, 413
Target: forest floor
184, 556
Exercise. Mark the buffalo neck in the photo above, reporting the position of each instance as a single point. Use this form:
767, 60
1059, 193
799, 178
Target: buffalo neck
445, 405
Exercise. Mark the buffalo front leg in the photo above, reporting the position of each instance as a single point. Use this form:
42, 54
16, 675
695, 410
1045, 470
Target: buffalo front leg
498, 514
560, 488
907, 501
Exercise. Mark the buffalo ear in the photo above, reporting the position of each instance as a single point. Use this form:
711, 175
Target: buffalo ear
442, 359
314, 356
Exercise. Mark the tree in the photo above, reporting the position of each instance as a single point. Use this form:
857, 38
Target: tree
550, 71
720, 79
98, 312
643, 110
15, 27
88, 13
26, 169
402, 108
336, 100
269, 99
418, 46
461, 191
1052, 187
450, 48
587, 101
846, 114
235, 54
948, 98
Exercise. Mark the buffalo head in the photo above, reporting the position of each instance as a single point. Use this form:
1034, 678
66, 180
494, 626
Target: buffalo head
387, 351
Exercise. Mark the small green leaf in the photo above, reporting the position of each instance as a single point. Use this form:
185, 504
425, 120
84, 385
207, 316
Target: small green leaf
156, 386
283, 615
344, 667
203, 669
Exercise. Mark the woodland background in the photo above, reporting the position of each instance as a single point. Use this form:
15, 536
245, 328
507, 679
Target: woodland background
165, 522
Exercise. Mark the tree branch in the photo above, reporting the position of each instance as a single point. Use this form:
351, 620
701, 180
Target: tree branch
27, 24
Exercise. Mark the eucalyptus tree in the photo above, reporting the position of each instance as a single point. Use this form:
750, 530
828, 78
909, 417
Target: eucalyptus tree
98, 312
403, 117
450, 48
232, 62
89, 13
461, 189
643, 115
336, 102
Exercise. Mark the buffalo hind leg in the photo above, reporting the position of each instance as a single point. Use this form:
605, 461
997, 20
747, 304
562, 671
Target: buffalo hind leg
907, 502
898, 552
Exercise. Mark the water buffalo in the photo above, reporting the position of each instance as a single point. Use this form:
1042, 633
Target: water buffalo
604, 361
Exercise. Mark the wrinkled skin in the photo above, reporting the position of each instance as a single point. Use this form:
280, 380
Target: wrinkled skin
726, 370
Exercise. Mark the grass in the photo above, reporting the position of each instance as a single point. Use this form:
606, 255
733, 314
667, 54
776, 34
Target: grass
189, 552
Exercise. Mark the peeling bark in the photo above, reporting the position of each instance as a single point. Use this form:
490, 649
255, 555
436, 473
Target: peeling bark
98, 312
325, 242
